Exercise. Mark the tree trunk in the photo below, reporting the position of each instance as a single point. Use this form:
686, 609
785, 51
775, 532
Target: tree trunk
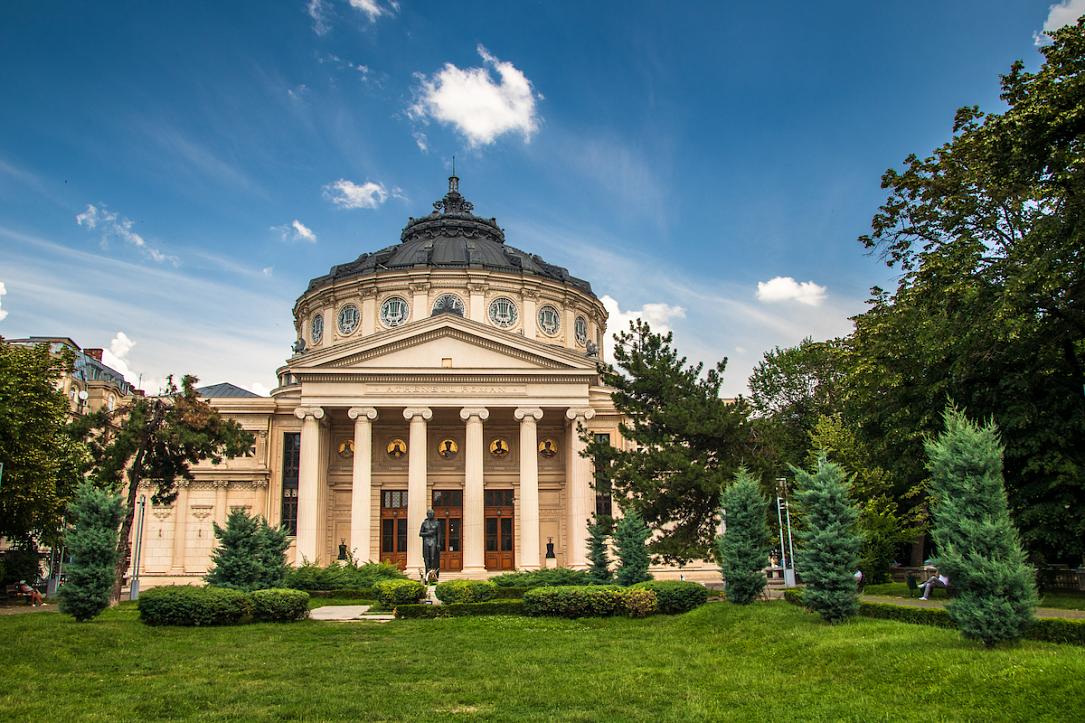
124, 544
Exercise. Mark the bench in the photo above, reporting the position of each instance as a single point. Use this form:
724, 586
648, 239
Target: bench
13, 591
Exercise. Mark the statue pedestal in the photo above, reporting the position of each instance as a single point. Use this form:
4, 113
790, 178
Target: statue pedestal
551, 562
431, 595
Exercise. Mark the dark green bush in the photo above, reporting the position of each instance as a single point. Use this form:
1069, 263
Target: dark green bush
194, 606
465, 591
92, 542
575, 601
640, 602
350, 593
676, 596
542, 578
399, 592
279, 605
250, 554
457, 610
339, 576
510, 593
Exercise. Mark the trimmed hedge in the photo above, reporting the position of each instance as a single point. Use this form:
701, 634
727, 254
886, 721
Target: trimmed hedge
675, 596
194, 606
1050, 630
543, 578
341, 576
581, 601
399, 592
510, 593
348, 593
458, 610
465, 591
278, 605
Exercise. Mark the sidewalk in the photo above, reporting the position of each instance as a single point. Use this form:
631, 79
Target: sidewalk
911, 602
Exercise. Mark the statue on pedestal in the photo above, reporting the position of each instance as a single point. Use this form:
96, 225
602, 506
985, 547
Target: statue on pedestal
431, 547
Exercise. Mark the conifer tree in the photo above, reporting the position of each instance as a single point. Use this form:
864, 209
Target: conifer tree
630, 537
744, 545
251, 555
598, 553
92, 542
829, 544
978, 547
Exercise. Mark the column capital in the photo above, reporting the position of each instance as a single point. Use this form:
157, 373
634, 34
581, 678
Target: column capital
424, 412
481, 412
361, 414
579, 413
525, 413
314, 412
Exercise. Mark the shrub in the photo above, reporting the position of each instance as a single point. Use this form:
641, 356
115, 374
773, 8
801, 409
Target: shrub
575, 601
543, 578
250, 556
338, 576
744, 546
349, 593
631, 537
675, 596
598, 550
279, 605
96, 515
640, 602
399, 592
510, 593
194, 606
457, 610
465, 591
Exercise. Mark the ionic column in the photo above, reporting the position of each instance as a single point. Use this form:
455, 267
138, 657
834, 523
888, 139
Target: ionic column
528, 508
220, 502
362, 484
180, 528
474, 551
578, 488
418, 449
308, 487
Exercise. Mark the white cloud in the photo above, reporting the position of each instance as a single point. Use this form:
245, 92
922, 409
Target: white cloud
469, 100
421, 141
348, 194
294, 231
258, 388
785, 288
3, 291
116, 356
658, 316
373, 9
114, 226
1059, 15
318, 13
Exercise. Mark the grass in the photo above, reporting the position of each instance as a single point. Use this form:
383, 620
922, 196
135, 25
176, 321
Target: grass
1061, 600
764, 661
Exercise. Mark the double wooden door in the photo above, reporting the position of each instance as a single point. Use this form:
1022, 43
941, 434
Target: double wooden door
394, 527
448, 509
499, 514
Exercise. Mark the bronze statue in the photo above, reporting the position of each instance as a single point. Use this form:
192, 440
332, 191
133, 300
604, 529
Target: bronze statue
431, 546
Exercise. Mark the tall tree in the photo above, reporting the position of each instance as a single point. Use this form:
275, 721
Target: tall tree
155, 439
989, 231
978, 548
250, 555
745, 543
687, 441
92, 544
43, 462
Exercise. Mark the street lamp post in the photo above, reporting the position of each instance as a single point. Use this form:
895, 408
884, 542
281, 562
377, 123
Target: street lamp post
787, 554
134, 591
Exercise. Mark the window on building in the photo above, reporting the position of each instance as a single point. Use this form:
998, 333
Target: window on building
604, 500
291, 466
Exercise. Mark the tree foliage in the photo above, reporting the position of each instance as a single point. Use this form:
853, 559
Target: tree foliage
92, 543
250, 555
744, 545
599, 550
630, 536
978, 548
43, 462
829, 543
687, 441
155, 440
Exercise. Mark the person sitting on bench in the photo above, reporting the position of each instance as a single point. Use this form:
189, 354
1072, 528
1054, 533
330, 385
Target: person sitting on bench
33, 595
939, 580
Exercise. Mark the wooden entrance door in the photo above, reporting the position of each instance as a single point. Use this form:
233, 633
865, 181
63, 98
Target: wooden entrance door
499, 515
448, 509
394, 527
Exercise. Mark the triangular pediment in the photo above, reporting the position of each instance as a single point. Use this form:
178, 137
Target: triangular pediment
443, 342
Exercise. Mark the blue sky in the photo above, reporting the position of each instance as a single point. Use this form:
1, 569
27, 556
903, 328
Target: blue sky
172, 175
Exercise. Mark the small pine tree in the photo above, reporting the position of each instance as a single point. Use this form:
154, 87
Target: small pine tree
744, 546
95, 515
978, 547
598, 550
250, 556
828, 542
630, 536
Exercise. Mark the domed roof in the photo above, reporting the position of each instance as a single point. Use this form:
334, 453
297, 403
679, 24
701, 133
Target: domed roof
451, 237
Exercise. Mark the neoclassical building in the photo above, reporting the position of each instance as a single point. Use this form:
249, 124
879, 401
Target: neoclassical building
449, 371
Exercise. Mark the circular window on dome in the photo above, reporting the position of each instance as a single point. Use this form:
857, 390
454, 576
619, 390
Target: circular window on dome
448, 304
580, 327
348, 319
549, 320
316, 328
394, 312
503, 312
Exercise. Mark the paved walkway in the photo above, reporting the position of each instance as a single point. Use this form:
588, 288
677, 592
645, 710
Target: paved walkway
911, 602
20, 608
348, 614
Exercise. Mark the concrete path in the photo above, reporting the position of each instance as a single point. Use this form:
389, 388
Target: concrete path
911, 602
348, 613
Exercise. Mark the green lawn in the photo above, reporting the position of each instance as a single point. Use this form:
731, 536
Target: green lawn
1061, 600
769, 660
